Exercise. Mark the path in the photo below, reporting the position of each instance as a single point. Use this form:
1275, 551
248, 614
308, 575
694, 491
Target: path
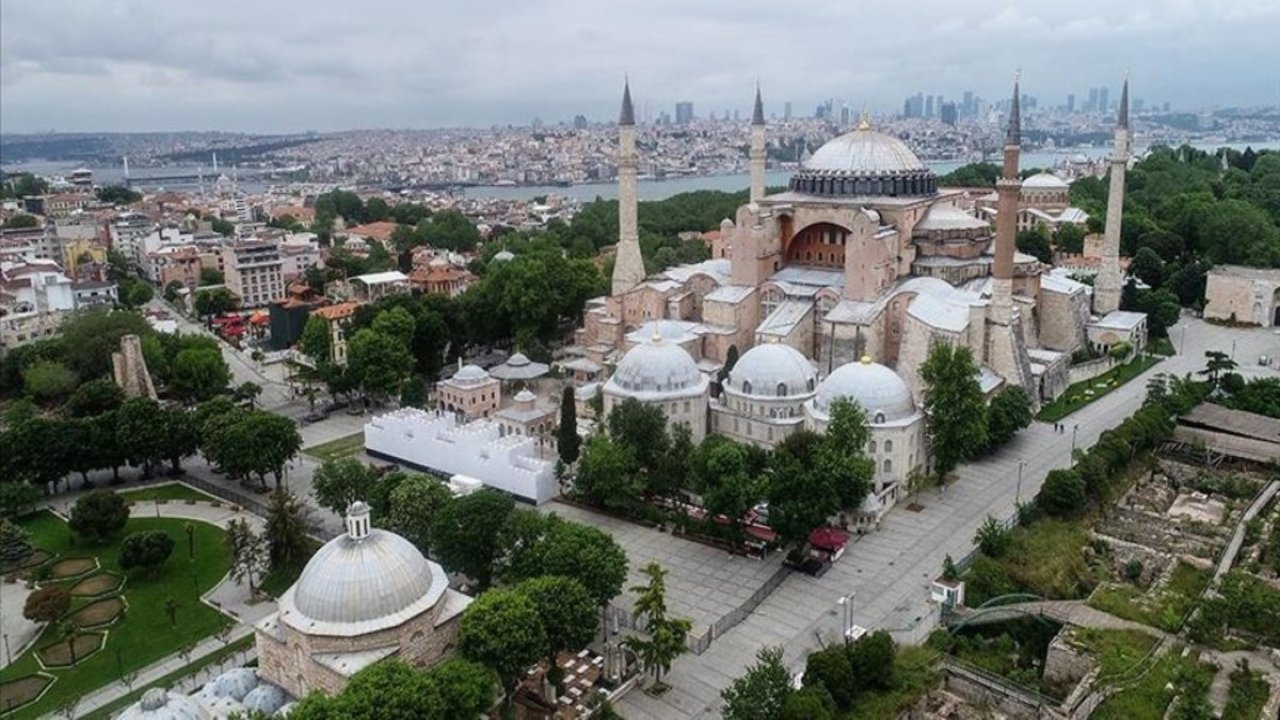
1066, 612
891, 569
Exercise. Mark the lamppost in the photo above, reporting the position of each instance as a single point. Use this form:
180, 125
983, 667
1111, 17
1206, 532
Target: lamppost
1074, 428
1018, 495
846, 614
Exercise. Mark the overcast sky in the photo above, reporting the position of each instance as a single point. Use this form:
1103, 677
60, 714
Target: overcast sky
286, 65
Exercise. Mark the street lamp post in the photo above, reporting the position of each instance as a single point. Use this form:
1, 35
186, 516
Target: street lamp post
846, 615
1018, 494
1074, 428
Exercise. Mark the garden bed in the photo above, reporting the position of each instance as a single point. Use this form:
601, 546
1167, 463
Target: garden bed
99, 612
38, 557
18, 692
72, 567
1086, 391
95, 585
59, 653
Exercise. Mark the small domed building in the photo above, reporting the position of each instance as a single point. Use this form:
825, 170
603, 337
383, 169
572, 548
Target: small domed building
897, 444
660, 373
762, 400
471, 392
366, 595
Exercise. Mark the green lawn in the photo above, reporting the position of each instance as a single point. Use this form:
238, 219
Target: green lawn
1161, 346
170, 491
1075, 398
1147, 698
1164, 608
1247, 696
144, 635
337, 449
1118, 651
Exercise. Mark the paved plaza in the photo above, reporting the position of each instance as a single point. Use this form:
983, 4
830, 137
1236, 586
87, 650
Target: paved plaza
890, 570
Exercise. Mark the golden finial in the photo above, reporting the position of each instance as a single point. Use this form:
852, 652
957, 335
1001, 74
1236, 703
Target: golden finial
864, 123
657, 335
866, 359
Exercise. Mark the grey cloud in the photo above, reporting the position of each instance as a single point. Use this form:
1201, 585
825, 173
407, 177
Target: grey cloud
275, 65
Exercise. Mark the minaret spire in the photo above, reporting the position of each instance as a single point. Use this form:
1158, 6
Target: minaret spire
628, 263
756, 153
1008, 189
1108, 284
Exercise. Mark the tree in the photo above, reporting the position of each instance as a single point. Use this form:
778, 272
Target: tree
138, 293
466, 534
872, 658
315, 339
800, 498
146, 550
251, 442
49, 382
247, 392
338, 483
140, 432
607, 474
810, 703
223, 227
215, 301
567, 612
954, 406
20, 221
248, 551
99, 515
831, 669
841, 456
1148, 267
1009, 412
200, 374
1218, 364
666, 640
379, 360
993, 538
414, 504
467, 689
286, 531
94, 398
118, 195
1063, 494
17, 497
1036, 243
397, 323
15, 546
1069, 239
760, 693
642, 429
549, 545
395, 690
567, 441
47, 604
211, 276
501, 630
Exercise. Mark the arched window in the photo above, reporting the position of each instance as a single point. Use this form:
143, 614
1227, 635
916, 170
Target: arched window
872, 448
746, 386
879, 418
782, 389
888, 446
888, 465
809, 385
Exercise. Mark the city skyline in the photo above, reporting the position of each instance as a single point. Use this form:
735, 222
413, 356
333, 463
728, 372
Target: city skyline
287, 67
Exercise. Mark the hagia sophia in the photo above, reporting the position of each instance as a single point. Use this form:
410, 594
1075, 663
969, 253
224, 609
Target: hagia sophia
839, 285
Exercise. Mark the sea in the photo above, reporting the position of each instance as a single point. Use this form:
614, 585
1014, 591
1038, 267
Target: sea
649, 189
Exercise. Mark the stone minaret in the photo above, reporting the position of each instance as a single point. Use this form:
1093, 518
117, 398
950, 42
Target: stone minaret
1008, 188
1107, 286
628, 265
757, 149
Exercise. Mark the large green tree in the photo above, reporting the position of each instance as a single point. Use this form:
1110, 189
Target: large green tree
607, 475
549, 545
286, 531
89, 339
502, 630
415, 503
956, 414
338, 483
762, 691
379, 360
666, 635
94, 398
140, 431
49, 382
566, 610
466, 534
147, 550
99, 515
1010, 411
199, 374
567, 440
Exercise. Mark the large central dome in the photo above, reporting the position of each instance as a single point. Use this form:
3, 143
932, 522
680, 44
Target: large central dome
864, 163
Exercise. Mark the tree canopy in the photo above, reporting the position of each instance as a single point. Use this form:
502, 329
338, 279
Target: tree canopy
954, 406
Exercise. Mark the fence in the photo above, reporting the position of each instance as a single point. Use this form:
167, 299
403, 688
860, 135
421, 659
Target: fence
250, 503
731, 619
1030, 700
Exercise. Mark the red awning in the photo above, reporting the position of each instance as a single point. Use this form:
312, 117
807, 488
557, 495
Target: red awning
828, 538
761, 532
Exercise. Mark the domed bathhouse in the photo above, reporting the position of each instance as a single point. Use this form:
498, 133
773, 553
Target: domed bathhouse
661, 373
897, 442
364, 596
762, 399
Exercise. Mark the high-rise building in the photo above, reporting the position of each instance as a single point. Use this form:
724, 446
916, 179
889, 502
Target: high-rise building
579, 122
844, 116
1104, 102
684, 112
948, 114
1071, 102
967, 108
786, 110
928, 106
1092, 105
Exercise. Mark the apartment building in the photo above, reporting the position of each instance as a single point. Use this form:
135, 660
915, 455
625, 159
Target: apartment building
253, 272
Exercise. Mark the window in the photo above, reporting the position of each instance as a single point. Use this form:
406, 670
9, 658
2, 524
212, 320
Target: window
888, 465
879, 418
746, 386
888, 446
809, 385
872, 447
782, 389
